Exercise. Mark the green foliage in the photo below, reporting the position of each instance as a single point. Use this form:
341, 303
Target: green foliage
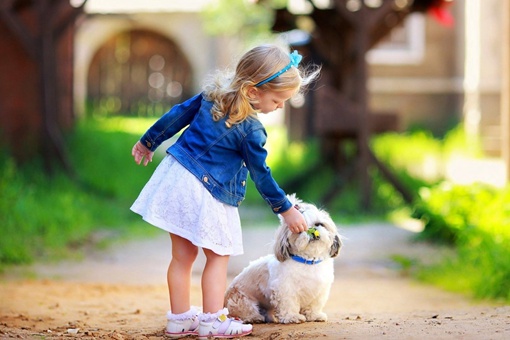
244, 19
447, 209
475, 219
101, 153
456, 142
110, 106
48, 217
38, 213
417, 155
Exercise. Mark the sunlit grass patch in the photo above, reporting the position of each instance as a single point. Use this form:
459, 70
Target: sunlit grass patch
475, 220
129, 125
451, 275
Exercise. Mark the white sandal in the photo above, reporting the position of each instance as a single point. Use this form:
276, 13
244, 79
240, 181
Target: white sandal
182, 325
220, 326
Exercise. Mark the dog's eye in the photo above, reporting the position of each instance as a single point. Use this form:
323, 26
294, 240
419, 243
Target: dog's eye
318, 224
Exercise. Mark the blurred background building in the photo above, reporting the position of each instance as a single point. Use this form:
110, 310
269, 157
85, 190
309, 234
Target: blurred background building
140, 57
431, 74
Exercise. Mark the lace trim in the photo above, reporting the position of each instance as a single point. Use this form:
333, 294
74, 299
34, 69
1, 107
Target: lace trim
193, 312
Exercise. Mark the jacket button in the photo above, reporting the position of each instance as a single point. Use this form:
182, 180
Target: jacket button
149, 144
243, 183
206, 179
244, 164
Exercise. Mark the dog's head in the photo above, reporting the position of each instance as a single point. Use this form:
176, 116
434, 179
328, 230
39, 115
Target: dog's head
324, 243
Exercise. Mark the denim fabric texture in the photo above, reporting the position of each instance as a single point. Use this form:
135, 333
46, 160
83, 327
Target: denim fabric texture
219, 156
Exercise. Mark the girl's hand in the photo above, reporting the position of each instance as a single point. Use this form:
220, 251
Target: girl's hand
139, 151
295, 220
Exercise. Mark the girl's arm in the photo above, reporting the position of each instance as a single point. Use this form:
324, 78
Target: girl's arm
255, 155
171, 122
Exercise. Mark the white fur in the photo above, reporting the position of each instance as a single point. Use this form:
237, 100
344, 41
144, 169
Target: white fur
275, 288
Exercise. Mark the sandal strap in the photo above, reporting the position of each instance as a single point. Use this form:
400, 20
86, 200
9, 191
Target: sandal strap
222, 323
231, 326
223, 326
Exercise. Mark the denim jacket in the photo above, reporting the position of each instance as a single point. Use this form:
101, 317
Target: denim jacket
219, 156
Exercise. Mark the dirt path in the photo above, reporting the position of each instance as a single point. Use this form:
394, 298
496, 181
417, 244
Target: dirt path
121, 294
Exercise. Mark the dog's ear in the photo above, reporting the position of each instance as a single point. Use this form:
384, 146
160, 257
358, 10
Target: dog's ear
282, 245
335, 247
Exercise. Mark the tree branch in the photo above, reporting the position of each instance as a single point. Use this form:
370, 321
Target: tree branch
380, 13
68, 20
17, 27
341, 8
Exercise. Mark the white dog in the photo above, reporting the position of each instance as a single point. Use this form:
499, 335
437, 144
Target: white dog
293, 285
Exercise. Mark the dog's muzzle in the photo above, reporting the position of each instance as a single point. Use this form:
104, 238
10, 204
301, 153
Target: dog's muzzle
313, 233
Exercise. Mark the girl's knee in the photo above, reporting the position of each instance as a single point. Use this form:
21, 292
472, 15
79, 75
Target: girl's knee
183, 249
209, 254
212, 257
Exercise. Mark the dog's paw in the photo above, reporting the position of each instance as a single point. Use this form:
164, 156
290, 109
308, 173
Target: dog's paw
291, 318
317, 317
255, 319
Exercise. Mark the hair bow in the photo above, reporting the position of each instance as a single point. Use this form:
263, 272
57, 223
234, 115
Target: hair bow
295, 58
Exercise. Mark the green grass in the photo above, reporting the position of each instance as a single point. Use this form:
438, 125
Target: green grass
47, 217
101, 153
475, 220
472, 219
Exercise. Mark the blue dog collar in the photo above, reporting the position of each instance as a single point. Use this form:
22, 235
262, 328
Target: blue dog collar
305, 261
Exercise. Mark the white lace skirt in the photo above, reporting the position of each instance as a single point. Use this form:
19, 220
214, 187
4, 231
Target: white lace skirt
175, 200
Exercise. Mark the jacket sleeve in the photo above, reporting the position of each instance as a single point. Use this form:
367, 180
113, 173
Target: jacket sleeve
170, 123
254, 154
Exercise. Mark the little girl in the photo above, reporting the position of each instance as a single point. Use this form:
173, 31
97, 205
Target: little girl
195, 191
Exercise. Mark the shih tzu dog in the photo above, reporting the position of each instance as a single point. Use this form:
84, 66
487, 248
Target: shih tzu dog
293, 284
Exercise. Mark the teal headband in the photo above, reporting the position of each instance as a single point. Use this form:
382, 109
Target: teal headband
295, 59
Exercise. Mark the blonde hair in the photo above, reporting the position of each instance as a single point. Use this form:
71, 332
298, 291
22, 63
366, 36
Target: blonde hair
229, 92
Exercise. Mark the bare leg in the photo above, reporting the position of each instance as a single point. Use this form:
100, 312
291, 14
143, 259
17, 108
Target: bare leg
214, 281
184, 254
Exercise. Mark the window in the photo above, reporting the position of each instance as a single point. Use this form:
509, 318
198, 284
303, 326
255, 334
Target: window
404, 45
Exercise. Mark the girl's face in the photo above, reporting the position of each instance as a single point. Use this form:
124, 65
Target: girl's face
269, 101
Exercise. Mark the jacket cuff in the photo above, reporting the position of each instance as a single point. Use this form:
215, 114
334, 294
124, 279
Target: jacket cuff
148, 142
281, 208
